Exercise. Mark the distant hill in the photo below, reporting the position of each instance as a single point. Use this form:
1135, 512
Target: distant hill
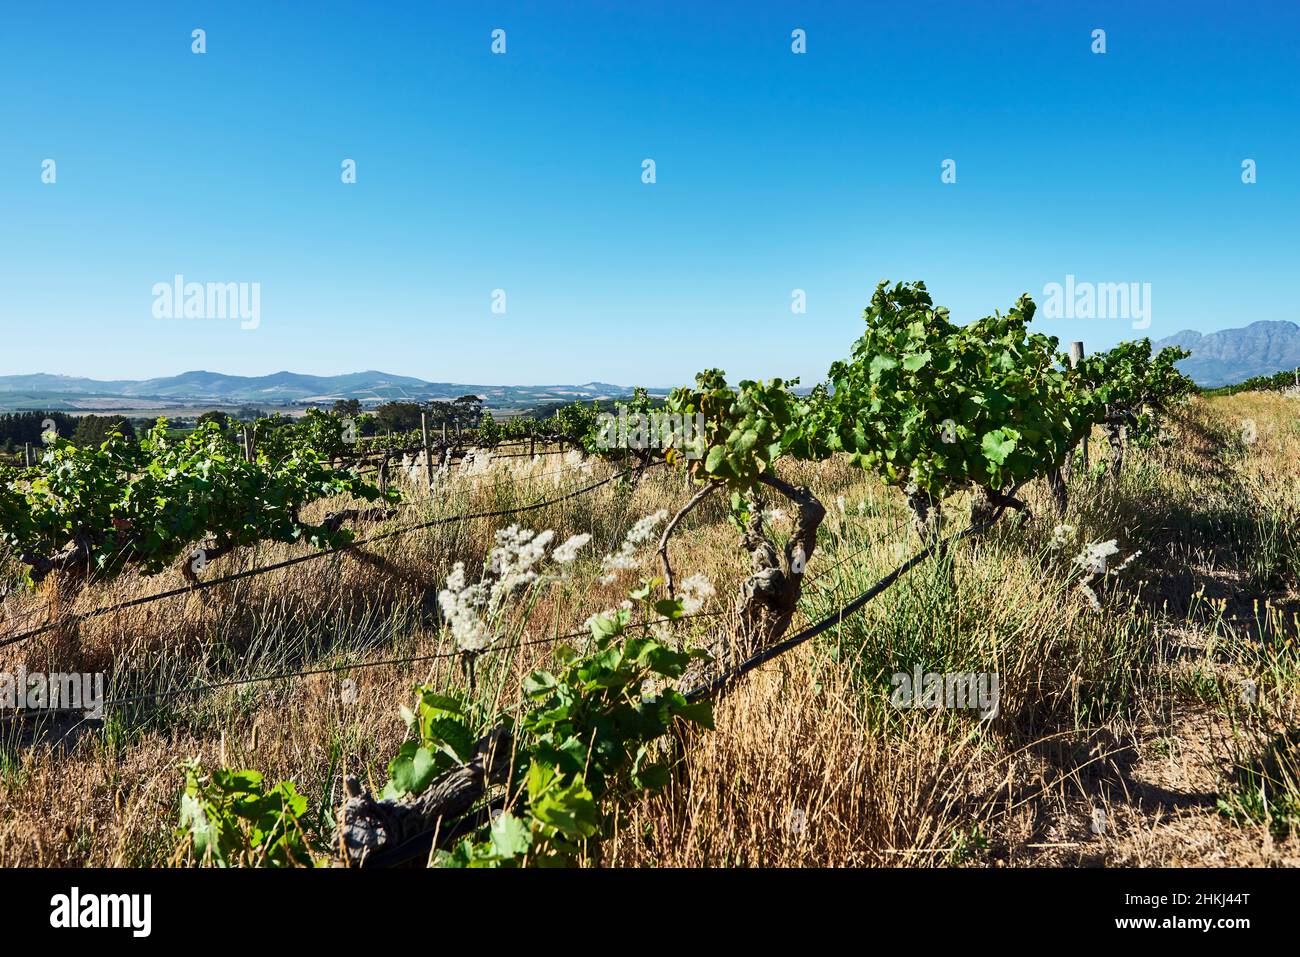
45, 391
1232, 355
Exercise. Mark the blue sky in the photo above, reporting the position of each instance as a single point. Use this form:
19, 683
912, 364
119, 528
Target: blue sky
522, 172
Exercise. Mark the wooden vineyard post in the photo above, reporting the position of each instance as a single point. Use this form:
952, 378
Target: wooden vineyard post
1076, 356
532, 446
428, 458
444, 432
27, 455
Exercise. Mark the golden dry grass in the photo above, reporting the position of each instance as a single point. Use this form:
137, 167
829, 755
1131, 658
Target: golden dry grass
1118, 729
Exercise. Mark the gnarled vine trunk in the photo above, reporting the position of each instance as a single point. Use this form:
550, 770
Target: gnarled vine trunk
927, 513
369, 829
74, 558
1115, 437
1060, 491
769, 596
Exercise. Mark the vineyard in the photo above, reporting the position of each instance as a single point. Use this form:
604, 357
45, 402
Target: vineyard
517, 643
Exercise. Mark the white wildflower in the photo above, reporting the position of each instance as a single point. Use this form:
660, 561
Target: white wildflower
694, 591
839, 503
460, 604
568, 550
645, 527
625, 557
514, 556
1128, 561
1094, 560
1093, 557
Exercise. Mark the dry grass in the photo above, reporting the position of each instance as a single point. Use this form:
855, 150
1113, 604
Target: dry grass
1118, 730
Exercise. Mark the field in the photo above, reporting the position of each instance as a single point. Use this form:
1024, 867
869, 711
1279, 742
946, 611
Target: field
1148, 718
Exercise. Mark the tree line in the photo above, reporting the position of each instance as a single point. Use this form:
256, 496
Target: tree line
26, 428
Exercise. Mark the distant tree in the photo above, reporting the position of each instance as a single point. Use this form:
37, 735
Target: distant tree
467, 410
440, 413
398, 416
26, 427
249, 413
217, 416
94, 430
350, 407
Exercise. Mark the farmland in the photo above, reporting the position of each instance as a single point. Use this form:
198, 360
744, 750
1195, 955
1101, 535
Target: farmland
688, 656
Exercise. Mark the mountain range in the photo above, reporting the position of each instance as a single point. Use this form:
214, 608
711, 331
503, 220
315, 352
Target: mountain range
1217, 358
1234, 355
69, 393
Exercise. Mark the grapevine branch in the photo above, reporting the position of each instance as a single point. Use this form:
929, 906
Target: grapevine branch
990, 501
695, 500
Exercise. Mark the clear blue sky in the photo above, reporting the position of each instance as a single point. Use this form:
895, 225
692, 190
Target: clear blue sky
523, 172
